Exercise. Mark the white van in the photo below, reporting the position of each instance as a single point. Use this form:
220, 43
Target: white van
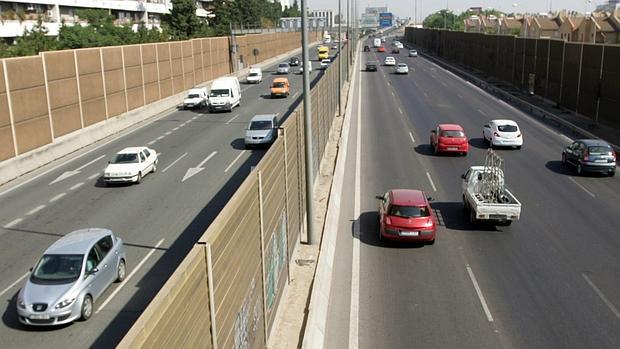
376, 42
255, 76
225, 94
196, 97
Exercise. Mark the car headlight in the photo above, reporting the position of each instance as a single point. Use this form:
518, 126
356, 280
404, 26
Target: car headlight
65, 303
21, 304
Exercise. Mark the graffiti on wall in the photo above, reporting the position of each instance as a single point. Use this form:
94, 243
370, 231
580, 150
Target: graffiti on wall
277, 260
246, 322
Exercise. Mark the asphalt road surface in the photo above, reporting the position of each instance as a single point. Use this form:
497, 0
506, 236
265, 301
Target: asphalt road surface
551, 280
159, 219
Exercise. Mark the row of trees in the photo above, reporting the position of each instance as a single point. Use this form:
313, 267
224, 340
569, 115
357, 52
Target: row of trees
449, 20
181, 24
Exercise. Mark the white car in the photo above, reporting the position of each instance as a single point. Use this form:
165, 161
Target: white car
399, 44
325, 63
196, 97
301, 68
390, 61
502, 133
401, 68
130, 165
413, 53
255, 76
283, 68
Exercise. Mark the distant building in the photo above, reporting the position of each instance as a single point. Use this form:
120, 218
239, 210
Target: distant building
327, 14
610, 6
294, 23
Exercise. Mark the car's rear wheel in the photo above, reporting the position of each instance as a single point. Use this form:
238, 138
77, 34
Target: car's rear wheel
154, 167
518, 147
87, 308
139, 179
121, 271
563, 159
612, 173
472, 216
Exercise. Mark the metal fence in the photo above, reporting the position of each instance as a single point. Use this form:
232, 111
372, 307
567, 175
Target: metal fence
226, 292
581, 77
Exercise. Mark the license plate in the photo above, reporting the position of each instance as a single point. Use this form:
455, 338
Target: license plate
39, 317
453, 148
409, 233
600, 160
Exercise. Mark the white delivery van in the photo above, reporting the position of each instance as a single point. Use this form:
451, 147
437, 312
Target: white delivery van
225, 94
376, 42
196, 97
255, 76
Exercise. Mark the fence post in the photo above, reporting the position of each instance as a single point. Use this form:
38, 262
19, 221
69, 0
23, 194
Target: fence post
562, 71
579, 80
211, 289
600, 78
77, 80
47, 95
262, 250
105, 93
9, 103
286, 200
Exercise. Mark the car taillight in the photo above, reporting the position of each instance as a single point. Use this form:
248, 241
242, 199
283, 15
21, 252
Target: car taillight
613, 156
586, 156
388, 221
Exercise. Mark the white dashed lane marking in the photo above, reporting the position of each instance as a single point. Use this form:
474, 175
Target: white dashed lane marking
58, 197
76, 186
35, 210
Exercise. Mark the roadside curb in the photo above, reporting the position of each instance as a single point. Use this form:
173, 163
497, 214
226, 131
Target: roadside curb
314, 334
513, 101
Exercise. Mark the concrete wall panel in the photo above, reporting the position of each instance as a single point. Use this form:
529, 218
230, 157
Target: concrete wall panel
93, 111
91, 86
135, 98
556, 54
60, 65
7, 149
117, 104
149, 53
609, 107
590, 79
66, 120
28, 103
89, 61
151, 92
32, 133
114, 81
570, 81
132, 55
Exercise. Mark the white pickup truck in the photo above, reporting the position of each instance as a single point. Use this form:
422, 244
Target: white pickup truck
486, 198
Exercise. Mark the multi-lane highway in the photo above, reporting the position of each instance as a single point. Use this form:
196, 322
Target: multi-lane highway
551, 280
202, 161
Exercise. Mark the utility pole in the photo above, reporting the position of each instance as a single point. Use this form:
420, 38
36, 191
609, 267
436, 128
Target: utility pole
348, 39
339, 58
311, 234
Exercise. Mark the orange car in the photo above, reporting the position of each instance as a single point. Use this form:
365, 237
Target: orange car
381, 49
280, 87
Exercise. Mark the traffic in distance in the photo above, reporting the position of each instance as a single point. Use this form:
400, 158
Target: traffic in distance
403, 212
73, 273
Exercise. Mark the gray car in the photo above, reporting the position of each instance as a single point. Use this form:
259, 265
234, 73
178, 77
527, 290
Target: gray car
262, 130
283, 68
72, 274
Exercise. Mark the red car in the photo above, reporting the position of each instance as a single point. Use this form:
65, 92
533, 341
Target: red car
449, 138
381, 49
406, 215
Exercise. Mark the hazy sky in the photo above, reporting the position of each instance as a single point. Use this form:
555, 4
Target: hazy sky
404, 8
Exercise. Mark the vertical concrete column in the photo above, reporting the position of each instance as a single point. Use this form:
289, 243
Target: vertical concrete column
125, 78
105, 93
158, 76
77, 80
47, 95
211, 286
262, 249
142, 71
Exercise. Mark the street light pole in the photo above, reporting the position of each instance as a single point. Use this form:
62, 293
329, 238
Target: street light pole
348, 40
339, 58
311, 234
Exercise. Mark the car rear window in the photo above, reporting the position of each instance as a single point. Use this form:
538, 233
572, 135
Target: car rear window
278, 84
283, 65
193, 96
452, 134
507, 128
260, 125
253, 74
599, 149
409, 211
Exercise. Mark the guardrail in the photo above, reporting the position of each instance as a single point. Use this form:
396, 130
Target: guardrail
226, 292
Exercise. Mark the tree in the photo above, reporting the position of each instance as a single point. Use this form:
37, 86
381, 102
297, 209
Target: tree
33, 41
441, 19
182, 22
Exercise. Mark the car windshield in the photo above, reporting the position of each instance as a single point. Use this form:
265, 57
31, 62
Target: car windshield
57, 269
507, 128
413, 51
599, 149
219, 93
278, 85
294, 59
253, 74
402, 65
260, 125
409, 211
125, 158
283, 65
193, 96
452, 134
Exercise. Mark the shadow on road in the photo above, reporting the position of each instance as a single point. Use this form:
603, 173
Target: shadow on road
478, 143
369, 233
453, 216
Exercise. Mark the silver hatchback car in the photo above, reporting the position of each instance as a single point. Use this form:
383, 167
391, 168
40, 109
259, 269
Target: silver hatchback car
72, 274
262, 130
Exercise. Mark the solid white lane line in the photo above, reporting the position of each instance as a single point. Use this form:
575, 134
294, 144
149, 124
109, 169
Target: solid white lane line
411, 136
174, 162
58, 197
444, 84
133, 272
35, 210
481, 112
194, 118
451, 73
151, 142
94, 175
231, 119
160, 138
296, 94
582, 187
13, 284
13, 223
168, 133
428, 175
566, 137
400, 110
176, 128
393, 95
485, 307
609, 304
76, 186
355, 267
235, 160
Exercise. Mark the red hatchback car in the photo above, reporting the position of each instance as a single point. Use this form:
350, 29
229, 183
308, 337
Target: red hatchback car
449, 138
406, 215
381, 49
